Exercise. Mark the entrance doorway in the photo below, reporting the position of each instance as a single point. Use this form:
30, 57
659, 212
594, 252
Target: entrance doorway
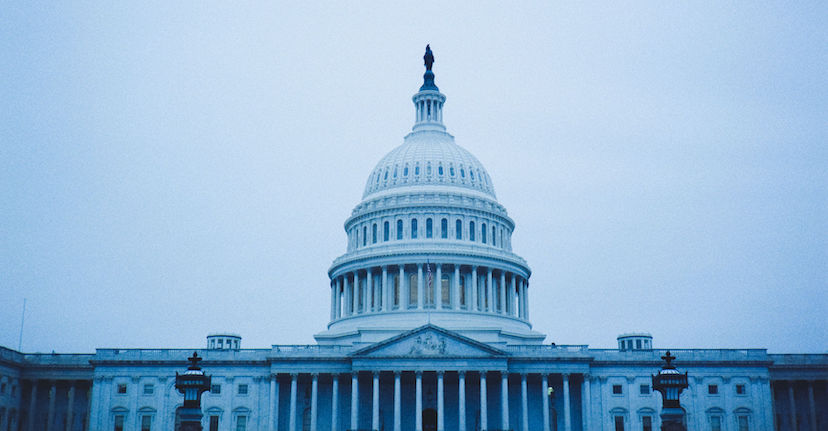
429, 420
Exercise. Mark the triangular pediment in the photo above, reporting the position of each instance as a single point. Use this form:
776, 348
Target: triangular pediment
429, 341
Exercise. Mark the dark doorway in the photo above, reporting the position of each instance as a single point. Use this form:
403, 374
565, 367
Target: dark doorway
429, 420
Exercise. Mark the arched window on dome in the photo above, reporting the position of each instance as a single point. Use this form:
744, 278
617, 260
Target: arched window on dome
444, 228
503, 238
462, 172
429, 228
483, 232
386, 231
395, 171
471, 174
364, 236
405, 171
374, 234
458, 229
440, 170
471, 231
378, 177
413, 228
428, 169
494, 236
451, 170
417, 169
399, 229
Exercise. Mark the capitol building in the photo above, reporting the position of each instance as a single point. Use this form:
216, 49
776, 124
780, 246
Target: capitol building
429, 330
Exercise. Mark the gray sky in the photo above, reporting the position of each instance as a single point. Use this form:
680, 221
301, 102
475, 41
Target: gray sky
173, 169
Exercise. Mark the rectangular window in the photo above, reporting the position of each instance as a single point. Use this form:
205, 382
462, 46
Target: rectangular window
494, 235
617, 389
446, 290
638, 344
429, 228
413, 228
743, 423
646, 423
462, 290
713, 389
146, 423
214, 423
399, 229
242, 389
644, 389
122, 388
241, 423
619, 423
444, 228
374, 233
740, 390
412, 290
149, 388
483, 232
458, 229
715, 423
396, 291
215, 389
471, 231
386, 231
119, 423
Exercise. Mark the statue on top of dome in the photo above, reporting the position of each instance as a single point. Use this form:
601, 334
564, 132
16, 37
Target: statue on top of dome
428, 58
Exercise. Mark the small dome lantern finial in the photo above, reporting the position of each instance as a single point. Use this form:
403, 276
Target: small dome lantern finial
428, 78
428, 58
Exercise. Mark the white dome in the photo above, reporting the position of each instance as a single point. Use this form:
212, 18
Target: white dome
429, 158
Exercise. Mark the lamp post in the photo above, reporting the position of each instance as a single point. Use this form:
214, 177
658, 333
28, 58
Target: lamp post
192, 384
670, 382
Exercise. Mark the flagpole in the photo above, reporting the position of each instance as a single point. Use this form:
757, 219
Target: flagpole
22, 319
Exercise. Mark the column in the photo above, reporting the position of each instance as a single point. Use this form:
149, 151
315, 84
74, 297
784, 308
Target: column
512, 297
490, 302
438, 291
333, 300
811, 405
71, 403
418, 402
504, 400
334, 402
586, 402
354, 401
50, 418
524, 403
461, 404
484, 413
420, 292
502, 292
567, 414
347, 294
474, 289
274, 403
369, 290
355, 295
293, 386
397, 423
375, 400
386, 292
403, 289
790, 397
545, 399
314, 399
440, 403
455, 294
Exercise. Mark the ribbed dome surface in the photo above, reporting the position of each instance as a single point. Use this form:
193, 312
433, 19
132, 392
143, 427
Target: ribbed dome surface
429, 158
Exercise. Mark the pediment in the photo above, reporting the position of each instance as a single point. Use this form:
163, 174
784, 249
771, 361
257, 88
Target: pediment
429, 341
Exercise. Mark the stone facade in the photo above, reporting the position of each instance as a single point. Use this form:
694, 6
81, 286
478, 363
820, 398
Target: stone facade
429, 329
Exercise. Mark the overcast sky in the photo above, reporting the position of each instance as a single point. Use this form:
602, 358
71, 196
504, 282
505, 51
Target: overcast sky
173, 169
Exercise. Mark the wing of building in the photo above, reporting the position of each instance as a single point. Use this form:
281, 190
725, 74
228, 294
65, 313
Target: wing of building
429, 330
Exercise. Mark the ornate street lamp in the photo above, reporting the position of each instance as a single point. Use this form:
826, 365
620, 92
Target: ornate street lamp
670, 382
192, 384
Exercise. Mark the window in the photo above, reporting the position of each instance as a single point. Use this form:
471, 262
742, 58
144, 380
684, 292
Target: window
440, 169
241, 423
364, 236
446, 290
405, 171
715, 423
483, 232
646, 423
214, 423
444, 228
2, 388
740, 390
149, 388
458, 229
617, 390
451, 170
399, 229
417, 170
413, 228
493, 236
638, 344
619, 423
429, 228
386, 231
215, 389
374, 233
242, 389
119, 423
412, 289
743, 423
471, 231
122, 388
462, 291
713, 389
146, 423
644, 389
396, 291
